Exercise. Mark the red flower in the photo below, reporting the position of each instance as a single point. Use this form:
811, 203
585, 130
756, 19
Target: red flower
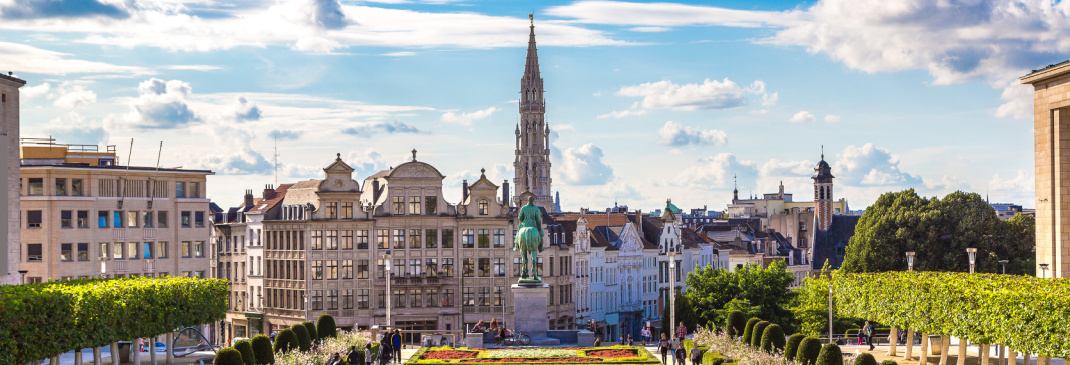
612, 353
448, 355
532, 360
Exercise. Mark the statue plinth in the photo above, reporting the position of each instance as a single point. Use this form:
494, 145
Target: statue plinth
529, 309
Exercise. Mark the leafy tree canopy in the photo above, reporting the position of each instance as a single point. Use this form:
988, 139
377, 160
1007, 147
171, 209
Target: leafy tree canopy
762, 291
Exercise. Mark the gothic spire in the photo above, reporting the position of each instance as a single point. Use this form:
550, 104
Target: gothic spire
531, 68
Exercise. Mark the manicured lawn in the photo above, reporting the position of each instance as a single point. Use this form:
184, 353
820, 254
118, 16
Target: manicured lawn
553, 355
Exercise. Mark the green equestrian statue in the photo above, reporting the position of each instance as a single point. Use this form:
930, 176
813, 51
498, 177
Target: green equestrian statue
529, 241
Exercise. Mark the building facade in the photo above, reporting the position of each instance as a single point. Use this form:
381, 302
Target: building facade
11, 252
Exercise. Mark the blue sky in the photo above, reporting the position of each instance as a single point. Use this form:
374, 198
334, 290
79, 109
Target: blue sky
647, 101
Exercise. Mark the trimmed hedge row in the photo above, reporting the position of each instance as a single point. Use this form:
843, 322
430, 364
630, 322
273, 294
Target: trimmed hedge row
712, 358
1023, 312
42, 320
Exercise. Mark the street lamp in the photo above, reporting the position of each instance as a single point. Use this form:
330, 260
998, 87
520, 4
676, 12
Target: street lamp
973, 257
23, 273
672, 292
389, 293
1004, 263
1043, 271
830, 313
910, 261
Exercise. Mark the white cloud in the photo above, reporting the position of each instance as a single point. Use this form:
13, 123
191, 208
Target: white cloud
872, 165
160, 105
832, 118
1017, 101
584, 166
802, 116
399, 54
675, 134
466, 119
709, 95
622, 114
368, 129
23, 58
650, 29
30, 92
73, 128
717, 171
73, 96
244, 110
668, 14
204, 68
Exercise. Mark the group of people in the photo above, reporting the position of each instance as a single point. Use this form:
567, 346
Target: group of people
866, 334
499, 330
675, 348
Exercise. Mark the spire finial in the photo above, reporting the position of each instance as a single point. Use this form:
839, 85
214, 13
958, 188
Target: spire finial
413, 155
338, 156
822, 152
531, 16
483, 172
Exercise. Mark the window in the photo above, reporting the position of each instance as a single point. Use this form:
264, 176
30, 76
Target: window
332, 210
102, 253
447, 267
414, 204
430, 205
185, 220
447, 238
33, 219
431, 238
347, 210
117, 251
432, 297
499, 295
516, 266
180, 189
499, 267
431, 267
194, 190
317, 269
447, 298
131, 219
484, 266
61, 187
161, 219
380, 268
468, 296
76, 187
83, 252
416, 298
117, 219
382, 238
414, 267
102, 219
414, 238
131, 250
484, 238
37, 186
362, 298
33, 252
399, 205
483, 207
468, 268
399, 238
161, 249
65, 252
317, 300
146, 219
316, 240
146, 250
468, 238
65, 219
331, 239
499, 238
484, 296
347, 239
332, 270
83, 219
362, 269
198, 249
362, 239
198, 219
347, 299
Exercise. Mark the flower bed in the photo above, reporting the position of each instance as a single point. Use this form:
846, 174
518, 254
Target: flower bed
601, 355
323, 351
740, 352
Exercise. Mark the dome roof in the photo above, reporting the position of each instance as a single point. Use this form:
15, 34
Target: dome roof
822, 170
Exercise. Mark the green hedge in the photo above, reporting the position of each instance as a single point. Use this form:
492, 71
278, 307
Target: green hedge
311, 328
773, 338
325, 325
1023, 312
757, 332
286, 341
262, 350
792, 347
246, 349
830, 355
808, 351
864, 358
712, 358
889, 362
749, 329
38, 321
735, 323
304, 342
228, 356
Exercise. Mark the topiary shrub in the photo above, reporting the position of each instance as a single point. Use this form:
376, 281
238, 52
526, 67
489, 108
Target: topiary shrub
831, 355
757, 332
286, 341
311, 328
864, 358
735, 324
304, 342
262, 350
889, 362
808, 351
246, 349
712, 358
228, 356
325, 326
773, 338
749, 328
792, 347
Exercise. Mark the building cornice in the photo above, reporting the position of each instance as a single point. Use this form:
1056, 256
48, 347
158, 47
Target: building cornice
1046, 73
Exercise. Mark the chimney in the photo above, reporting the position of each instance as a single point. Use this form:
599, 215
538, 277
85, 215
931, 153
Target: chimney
269, 190
505, 193
248, 197
639, 221
375, 191
464, 191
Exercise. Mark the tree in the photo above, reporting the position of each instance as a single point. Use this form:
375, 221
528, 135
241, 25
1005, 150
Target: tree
685, 313
246, 349
939, 231
311, 328
262, 350
810, 306
326, 326
773, 338
711, 289
286, 341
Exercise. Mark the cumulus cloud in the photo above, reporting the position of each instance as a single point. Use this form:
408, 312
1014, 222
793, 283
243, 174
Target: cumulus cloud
243, 110
66, 95
28, 93
675, 134
709, 95
367, 129
160, 105
328, 14
367, 162
717, 171
872, 166
466, 119
584, 166
802, 116
73, 128
832, 118
35, 9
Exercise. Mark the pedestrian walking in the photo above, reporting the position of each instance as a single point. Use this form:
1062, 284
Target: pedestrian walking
663, 346
397, 345
681, 353
868, 329
696, 356
681, 331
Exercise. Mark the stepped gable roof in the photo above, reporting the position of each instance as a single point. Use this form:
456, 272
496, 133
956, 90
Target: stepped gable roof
827, 242
263, 205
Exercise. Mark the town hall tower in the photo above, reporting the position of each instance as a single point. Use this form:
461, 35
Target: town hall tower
532, 164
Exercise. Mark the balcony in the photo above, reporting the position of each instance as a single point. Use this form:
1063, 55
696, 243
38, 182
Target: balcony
418, 281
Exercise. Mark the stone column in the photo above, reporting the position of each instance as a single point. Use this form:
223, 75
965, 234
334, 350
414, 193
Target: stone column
169, 339
114, 353
923, 358
893, 340
529, 311
96, 356
945, 347
962, 351
910, 345
983, 349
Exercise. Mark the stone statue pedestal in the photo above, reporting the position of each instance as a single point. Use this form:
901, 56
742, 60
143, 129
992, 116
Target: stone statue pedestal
529, 312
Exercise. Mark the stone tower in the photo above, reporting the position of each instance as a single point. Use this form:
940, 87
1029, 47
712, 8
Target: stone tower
11, 253
823, 194
532, 164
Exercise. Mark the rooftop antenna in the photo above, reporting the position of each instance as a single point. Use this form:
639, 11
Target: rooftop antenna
276, 136
122, 185
156, 176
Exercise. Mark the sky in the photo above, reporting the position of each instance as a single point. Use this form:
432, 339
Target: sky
646, 101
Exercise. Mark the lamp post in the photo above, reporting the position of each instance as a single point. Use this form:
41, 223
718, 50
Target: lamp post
973, 257
1004, 263
830, 313
1043, 271
23, 274
389, 293
910, 261
672, 292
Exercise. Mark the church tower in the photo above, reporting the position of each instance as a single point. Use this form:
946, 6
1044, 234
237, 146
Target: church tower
532, 164
823, 194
